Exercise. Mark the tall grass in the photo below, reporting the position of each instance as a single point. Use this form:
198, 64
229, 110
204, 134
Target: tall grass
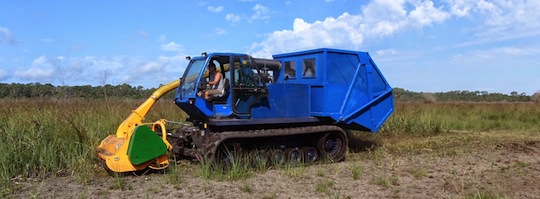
43, 138
40, 138
433, 118
239, 167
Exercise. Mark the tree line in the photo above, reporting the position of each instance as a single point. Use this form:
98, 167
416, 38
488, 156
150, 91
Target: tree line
38, 90
403, 95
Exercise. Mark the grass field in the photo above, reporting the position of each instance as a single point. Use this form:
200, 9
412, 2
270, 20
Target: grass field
48, 138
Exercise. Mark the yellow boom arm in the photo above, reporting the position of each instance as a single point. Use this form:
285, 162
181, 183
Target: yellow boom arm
137, 116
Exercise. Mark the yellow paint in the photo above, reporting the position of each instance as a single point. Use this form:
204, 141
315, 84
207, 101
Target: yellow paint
113, 149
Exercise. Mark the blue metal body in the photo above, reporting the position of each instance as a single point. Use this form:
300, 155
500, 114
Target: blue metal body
322, 85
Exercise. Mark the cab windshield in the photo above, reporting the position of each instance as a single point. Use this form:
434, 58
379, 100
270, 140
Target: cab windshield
191, 76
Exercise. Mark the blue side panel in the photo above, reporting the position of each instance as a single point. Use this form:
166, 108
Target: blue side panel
334, 97
284, 101
243, 104
222, 110
381, 109
372, 115
341, 68
270, 106
317, 100
206, 108
194, 108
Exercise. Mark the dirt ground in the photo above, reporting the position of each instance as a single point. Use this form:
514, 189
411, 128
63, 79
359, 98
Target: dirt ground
507, 169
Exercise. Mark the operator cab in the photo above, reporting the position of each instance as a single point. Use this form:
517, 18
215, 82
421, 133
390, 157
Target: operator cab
245, 83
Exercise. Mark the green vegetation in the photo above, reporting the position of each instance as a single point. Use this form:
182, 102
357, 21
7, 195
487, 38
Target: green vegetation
403, 95
47, 136
356, 170
172, 173
324, 186
381, 181
41, 91
239, 168
434, 118
41, 138
246, 187
38, 90
119, 182
50, 136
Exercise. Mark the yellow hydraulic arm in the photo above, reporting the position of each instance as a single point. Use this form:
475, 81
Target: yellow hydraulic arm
137, 115
113, 150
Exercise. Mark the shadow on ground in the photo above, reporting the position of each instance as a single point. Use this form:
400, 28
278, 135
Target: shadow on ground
359, 144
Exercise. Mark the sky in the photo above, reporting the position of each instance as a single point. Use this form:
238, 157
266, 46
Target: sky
419, 45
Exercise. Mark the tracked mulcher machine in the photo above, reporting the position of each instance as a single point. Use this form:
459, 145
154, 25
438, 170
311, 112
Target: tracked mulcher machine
295, 107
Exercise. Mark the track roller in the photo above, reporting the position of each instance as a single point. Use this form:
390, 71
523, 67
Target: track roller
277, 156
261, 157
310, 154
294, 155
226, 154
333, 146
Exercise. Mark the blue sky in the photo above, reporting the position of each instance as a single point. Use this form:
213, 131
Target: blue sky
428, 46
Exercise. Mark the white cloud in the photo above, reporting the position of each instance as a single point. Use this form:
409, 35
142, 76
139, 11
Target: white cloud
40, 60
61, 58
215, 9
171, 46
498, 52
232, 18
461, 8
220, 31
331, 32
261, 12
150, 67
41, 70
499, 18
384, 18
379, 18
6, 37
426, 14
36, 74
387, 52
135, 71
515, 51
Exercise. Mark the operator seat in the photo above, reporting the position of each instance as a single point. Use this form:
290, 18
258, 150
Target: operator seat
223, 98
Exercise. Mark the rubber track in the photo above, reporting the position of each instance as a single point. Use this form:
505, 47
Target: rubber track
227, 135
